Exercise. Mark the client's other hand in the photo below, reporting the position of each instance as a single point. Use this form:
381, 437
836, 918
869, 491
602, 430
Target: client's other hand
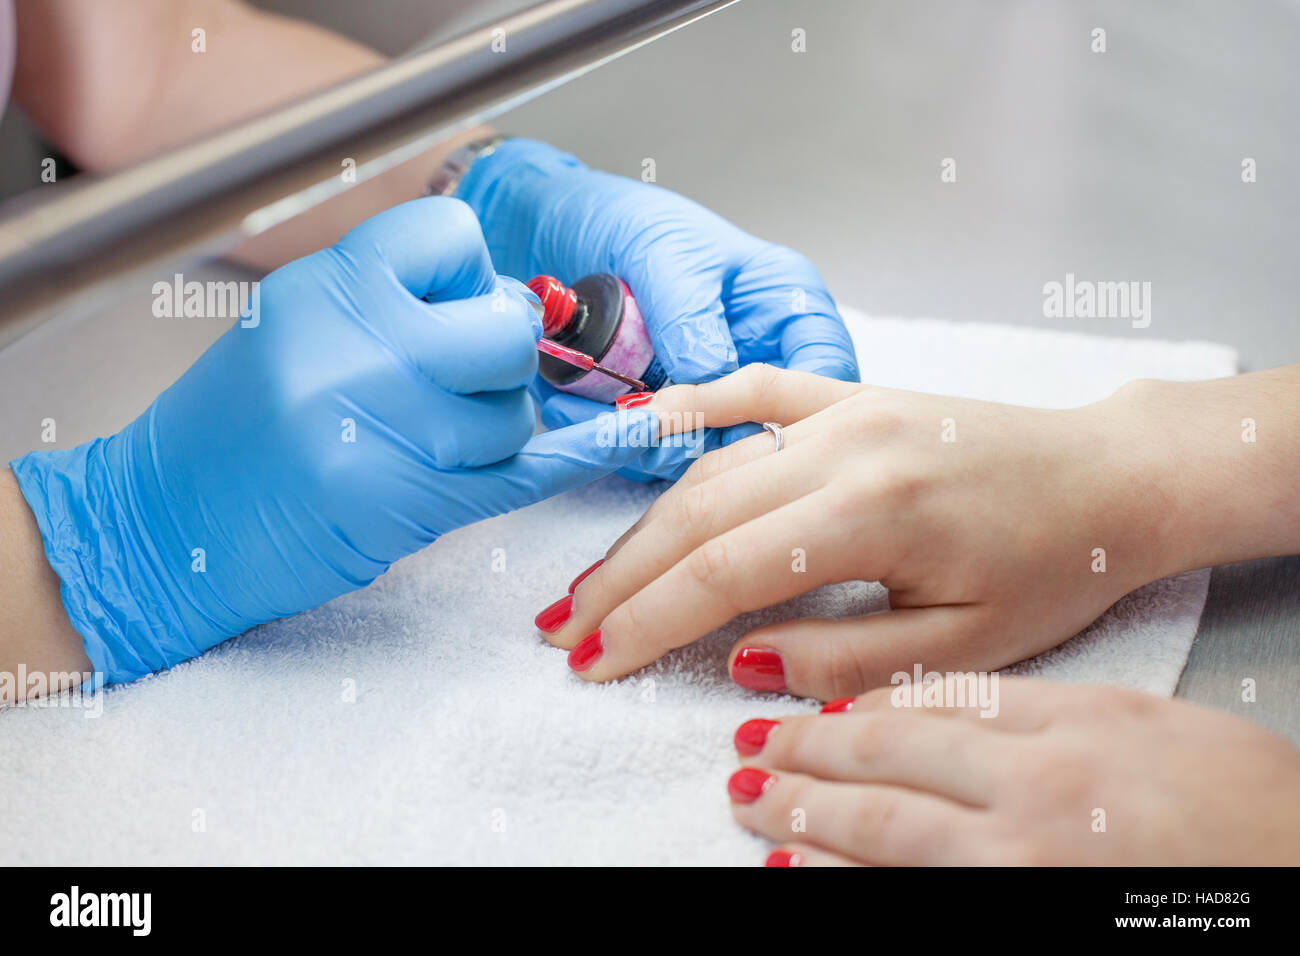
1036, 774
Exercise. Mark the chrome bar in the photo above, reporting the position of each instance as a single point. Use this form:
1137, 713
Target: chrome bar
58, 242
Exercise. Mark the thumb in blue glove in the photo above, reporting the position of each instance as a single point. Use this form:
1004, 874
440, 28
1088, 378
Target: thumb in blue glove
378, 402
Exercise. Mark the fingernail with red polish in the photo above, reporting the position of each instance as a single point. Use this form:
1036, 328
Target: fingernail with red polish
573, 585
751, 735
586, 652
747, 785
758, 668
633, 399
783, 858
553, 618
838, 706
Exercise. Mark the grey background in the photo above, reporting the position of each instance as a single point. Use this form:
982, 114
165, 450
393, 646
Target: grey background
1124, 165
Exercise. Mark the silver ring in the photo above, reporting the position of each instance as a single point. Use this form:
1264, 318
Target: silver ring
777, 433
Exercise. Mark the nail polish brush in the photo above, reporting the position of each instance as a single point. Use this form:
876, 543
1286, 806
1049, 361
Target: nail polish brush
585, 362
597, 322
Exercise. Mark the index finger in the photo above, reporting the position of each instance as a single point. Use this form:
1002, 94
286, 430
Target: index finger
744, 569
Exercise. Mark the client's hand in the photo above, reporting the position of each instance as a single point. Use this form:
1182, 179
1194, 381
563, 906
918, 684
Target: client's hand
1000, 531
1056, 774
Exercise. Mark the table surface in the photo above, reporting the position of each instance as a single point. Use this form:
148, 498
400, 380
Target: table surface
1123, 165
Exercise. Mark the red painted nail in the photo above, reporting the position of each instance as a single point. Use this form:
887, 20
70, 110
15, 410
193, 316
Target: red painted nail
752, 734
553, 618
748, 784
633, 399
784, 858
573, 585
838, 706
586, 652
758, 668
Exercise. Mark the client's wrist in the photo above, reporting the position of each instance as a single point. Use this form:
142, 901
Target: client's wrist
1200, 490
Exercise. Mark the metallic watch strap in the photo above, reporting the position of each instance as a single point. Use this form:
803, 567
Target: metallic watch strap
458, 161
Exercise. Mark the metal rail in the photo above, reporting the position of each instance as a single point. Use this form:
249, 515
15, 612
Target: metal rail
59, 242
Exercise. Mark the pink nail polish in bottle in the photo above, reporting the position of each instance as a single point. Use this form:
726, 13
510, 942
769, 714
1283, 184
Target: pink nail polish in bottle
599, 317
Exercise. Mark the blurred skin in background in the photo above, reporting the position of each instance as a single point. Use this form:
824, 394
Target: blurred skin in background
112, 83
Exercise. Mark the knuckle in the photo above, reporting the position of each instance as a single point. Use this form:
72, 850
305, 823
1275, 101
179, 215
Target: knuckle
519, 352
455, 214
1054, 778
843, 673
793, 265
876, 699
692, 509
631, 619
893, 489
851, 498
873, 822
709, 465
775, 807
521, 420
794, 744
708, 563
852, 425
902, 488
760, 379
871, 738
797, 263
683, 396
1121, 702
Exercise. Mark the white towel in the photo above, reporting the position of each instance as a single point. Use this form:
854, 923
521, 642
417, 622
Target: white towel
469, 741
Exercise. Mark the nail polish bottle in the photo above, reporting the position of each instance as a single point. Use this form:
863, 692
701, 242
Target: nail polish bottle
597, 316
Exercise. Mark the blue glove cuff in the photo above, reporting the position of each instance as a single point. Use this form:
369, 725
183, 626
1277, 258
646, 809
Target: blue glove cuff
106, 578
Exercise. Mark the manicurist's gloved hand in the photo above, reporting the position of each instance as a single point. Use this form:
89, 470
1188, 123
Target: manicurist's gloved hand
714, 297
374, 399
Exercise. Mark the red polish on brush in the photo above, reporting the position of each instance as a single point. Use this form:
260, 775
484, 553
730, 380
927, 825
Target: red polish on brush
585, 362
595, 326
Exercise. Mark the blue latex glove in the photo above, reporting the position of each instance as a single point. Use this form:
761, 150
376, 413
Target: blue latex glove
714, 297
375, 400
